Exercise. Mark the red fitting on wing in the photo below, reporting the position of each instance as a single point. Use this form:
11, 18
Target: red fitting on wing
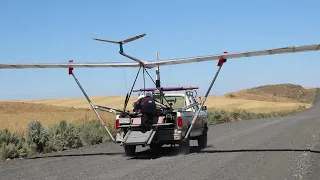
222, 60
70, 68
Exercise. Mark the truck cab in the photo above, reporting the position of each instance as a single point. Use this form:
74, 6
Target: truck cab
186, 105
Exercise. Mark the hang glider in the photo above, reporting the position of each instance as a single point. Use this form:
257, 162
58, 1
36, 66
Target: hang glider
152, 64
167, 110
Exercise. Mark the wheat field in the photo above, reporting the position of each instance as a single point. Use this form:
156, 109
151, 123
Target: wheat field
219, 102
109, 101
16, 115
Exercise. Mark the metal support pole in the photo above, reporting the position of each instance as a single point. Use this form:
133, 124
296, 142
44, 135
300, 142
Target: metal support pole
128, 56
93, 108
220, 64
91, 104
158, 83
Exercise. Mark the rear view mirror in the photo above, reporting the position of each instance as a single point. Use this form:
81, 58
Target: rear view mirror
204, 108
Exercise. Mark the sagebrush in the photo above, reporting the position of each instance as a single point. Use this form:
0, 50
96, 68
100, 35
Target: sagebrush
216, 116
62, 136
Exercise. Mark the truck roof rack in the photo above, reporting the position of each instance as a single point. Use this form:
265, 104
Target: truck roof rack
181, 88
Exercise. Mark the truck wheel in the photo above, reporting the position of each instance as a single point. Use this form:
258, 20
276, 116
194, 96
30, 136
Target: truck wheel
155, 146
203, 139
185, 146
130, 150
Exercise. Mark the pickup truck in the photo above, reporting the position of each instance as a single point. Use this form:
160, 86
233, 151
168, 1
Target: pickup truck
167, 128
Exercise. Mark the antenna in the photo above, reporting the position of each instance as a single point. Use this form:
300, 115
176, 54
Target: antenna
158, 83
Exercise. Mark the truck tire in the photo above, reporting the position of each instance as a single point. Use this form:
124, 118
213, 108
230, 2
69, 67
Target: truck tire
130, 150
155, 146
203, 139
185, 146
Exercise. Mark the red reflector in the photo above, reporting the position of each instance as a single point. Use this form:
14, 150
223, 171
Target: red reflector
179, 121
117, 124
70, 68
221, 61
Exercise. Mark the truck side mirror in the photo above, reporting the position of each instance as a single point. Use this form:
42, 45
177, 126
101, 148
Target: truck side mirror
204, 108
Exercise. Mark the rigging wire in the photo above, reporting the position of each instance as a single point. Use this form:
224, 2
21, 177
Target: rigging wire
156, 85
150, 76
144, 81
128, 95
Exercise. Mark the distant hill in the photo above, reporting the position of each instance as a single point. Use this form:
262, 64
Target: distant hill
276, 93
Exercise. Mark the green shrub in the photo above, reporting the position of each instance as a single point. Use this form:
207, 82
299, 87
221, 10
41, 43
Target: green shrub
13, 145
9, 150
7, 137
92, 132
62, 137
218, 117
37, 134
55, 138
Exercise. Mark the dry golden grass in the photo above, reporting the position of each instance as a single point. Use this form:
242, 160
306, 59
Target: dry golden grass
229, 104
108, 101
219, 102
16, 115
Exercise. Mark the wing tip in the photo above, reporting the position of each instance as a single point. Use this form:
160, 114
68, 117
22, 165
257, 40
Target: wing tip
104, 40
133, 38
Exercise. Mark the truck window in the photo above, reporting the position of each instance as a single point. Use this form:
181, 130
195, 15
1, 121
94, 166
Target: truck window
177, 101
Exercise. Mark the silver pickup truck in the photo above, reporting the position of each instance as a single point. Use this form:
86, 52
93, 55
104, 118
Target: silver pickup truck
169, 127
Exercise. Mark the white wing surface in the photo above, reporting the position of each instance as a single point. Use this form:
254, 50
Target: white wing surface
283, 50
68, 65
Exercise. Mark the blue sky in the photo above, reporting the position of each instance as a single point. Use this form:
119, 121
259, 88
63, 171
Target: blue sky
56, 31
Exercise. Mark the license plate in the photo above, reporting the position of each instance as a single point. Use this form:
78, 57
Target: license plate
124, 120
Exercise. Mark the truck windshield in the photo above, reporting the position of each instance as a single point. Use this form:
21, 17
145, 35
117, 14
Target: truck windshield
177, 101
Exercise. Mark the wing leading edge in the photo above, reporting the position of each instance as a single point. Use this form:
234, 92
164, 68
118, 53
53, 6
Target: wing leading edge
151, 64
283, 50
67, 65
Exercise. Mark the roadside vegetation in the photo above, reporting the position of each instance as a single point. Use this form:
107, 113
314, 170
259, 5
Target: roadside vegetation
216, 116
39, 139
62, 136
